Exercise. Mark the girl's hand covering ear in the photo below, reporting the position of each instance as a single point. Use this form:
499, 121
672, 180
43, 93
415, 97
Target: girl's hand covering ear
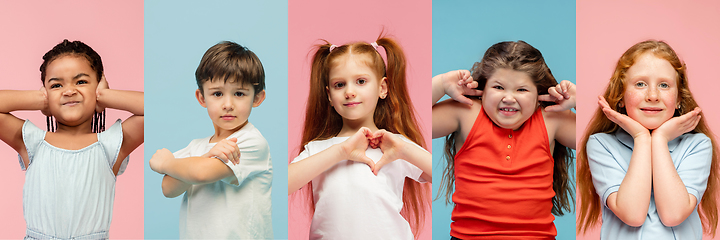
102, 85
46, 109
631, 126
563, 94
225, 150
676, 126
391, 147
459, 83
354, 147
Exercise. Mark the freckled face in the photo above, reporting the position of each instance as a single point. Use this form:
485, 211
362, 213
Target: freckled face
71, 84
651, 91
509, 98
354, 88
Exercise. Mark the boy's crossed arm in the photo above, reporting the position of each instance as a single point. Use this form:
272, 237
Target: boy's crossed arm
183, 172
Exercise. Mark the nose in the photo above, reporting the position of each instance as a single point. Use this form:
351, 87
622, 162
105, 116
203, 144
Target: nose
508, 98
652, 94
349, 91
69, 91
227, 103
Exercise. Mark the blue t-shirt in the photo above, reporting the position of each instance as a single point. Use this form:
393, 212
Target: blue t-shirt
609, 157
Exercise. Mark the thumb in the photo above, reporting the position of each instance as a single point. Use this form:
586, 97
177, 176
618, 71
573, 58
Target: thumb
380, 164
234, 139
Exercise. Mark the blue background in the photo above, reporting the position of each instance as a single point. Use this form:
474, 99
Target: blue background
464, 30
177, 34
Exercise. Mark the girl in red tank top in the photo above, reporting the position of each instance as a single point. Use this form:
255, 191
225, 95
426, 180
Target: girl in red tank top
508, 151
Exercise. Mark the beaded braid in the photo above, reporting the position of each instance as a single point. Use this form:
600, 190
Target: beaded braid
98, 122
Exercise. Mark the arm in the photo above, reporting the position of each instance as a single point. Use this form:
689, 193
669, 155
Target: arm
560, 116
302, 172
172, 187
133, 127
674, 203
630, 203
11, 126
191, 170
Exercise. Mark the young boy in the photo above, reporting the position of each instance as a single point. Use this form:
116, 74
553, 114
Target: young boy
226, 177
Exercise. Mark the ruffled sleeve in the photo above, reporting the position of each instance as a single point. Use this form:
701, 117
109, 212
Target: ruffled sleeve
111, 141
32, 137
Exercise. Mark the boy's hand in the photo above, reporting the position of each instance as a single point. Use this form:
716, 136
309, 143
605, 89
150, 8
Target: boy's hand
159, 159
391, 147
102, 85
46, 108
225, 150
459, 83
563, 94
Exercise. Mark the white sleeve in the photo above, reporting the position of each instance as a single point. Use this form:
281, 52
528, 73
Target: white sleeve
254, 160
303, 155
413, 171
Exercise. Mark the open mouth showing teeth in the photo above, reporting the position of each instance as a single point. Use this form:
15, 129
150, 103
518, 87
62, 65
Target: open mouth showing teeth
508, 109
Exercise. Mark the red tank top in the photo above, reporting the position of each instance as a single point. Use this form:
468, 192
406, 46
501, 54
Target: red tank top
503, 182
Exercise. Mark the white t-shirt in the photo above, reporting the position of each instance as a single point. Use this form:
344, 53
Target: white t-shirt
352, 203
238, 206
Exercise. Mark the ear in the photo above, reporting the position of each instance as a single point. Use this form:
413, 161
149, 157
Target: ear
200, 98
259, 98
621, 103
327, 92
383, 88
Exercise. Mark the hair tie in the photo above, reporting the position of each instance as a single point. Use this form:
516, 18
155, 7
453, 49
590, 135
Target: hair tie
332, 47
375, 45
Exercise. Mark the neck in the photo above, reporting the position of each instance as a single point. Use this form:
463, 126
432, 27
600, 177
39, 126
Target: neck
224, 133
350, 127
82, 128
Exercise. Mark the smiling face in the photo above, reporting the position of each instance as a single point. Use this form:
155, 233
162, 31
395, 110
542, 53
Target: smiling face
228, 103
71, 84
354, 88
651, 91
509, 98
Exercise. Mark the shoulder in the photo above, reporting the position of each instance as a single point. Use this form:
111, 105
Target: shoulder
558, 117
606, 140
695, 140
249, 136
455, 108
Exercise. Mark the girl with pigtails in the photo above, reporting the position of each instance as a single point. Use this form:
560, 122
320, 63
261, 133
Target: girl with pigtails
363, 158
648, 162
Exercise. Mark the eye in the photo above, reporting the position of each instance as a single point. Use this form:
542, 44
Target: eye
640, 84
79, 82
339, 85
664, 85
498, 87
56, 85
217, 94
361, 81
522, 90
239, 94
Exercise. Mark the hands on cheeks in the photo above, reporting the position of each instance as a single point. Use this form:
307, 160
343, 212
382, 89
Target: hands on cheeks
563, 94
226, 150
158, 160
388, 143
634, 128
459, 83
677, 126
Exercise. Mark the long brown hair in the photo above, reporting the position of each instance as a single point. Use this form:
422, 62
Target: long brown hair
395, 113
589, 201
518, 56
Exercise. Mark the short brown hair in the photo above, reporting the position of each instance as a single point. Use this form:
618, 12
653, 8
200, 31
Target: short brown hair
228, 60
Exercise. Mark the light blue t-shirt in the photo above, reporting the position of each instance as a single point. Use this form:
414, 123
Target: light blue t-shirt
609, 157
69, 194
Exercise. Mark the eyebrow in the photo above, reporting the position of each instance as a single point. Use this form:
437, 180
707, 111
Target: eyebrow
220, 88
76, 77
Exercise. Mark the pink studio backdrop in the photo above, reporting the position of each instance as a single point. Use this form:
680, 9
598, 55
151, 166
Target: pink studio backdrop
410, 23
605, 29
29, 30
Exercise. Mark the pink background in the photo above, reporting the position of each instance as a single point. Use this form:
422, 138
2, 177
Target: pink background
340, 23
605, 29
30, 29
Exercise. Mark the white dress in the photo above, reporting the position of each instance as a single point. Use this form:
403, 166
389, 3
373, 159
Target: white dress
352, 203
70, 193
237, 207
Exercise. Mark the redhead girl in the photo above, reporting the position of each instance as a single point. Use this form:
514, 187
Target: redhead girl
648, 161
362, 159
508, 151
71, 169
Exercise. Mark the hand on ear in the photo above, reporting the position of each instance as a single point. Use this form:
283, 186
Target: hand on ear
563, 94
102, 85
46, 108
